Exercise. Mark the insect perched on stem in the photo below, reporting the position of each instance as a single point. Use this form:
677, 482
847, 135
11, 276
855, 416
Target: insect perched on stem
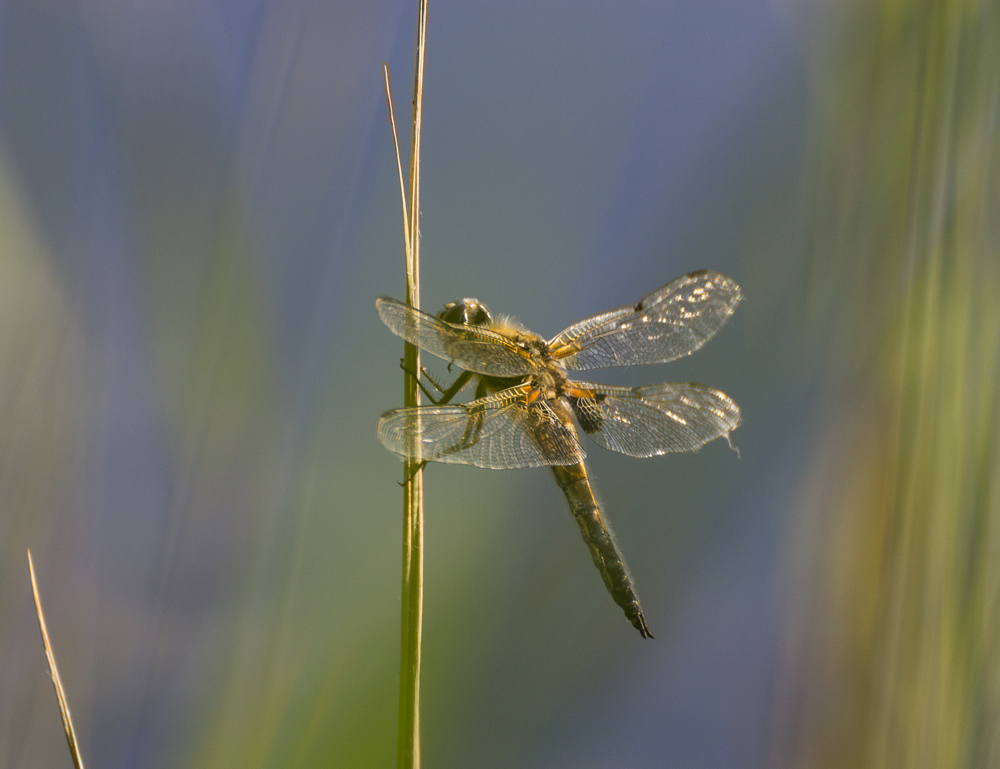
527, 409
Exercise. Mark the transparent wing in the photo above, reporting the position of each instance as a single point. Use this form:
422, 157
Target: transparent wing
501, 432
676, 320
472, 348
648, 421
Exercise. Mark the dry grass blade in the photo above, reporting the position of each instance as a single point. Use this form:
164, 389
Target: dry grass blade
416, 137
390, 105
74, 749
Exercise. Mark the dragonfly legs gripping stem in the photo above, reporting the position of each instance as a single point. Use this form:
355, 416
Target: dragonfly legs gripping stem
443, 397
444, 394
420, 466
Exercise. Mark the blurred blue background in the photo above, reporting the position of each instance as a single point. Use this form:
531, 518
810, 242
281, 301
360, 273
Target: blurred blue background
198, 208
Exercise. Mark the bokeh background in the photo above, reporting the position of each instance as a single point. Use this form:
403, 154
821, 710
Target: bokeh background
198, 207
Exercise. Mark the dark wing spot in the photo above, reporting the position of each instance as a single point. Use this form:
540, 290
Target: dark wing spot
588, 413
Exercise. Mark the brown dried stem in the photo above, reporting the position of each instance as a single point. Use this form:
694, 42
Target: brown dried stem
74, 748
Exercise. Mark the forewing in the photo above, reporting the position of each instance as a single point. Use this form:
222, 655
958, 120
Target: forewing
501, 432
470, 347
674, 321
659, 419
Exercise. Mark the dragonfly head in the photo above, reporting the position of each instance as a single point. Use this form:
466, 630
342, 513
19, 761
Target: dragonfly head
467, 312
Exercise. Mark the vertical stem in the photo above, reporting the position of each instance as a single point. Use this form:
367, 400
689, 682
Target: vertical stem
411, 624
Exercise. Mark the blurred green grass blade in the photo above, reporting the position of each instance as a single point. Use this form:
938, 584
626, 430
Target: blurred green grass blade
894, 630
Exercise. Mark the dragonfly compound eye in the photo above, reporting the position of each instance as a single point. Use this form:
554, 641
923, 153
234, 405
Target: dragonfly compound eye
468, 312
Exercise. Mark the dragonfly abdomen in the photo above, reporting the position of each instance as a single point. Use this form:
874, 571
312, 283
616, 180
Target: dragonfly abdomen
575, 483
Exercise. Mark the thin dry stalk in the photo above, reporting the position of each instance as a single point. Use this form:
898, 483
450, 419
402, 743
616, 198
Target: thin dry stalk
74, 748
411, 621
391, 106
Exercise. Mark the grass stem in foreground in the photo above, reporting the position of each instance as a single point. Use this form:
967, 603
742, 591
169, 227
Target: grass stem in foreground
74, 748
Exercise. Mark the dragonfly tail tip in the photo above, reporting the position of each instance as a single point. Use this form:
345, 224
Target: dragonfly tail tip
640, 625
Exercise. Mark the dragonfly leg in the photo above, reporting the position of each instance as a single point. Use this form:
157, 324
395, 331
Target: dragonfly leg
444, 394
416, 470
461, 381
423, 388
427, 375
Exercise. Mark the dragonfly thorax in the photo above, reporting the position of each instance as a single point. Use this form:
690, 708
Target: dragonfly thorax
550, 382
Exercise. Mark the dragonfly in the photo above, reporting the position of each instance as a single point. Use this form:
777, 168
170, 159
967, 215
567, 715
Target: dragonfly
528, 412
